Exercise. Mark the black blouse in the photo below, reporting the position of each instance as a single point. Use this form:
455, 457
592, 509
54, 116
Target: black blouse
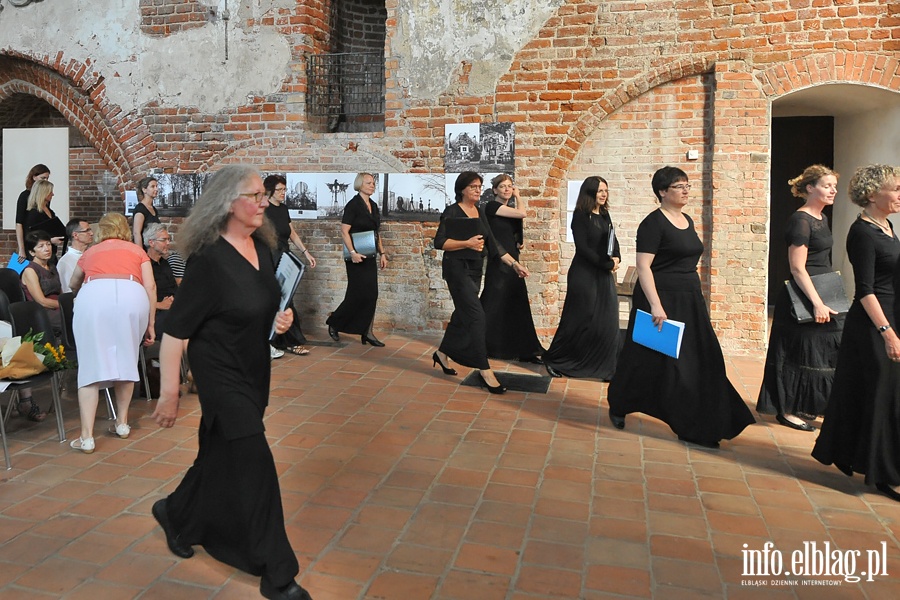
507, 230
358, 217
676, 250
805, 230
592, 234
492, 246
873, 255
281, 220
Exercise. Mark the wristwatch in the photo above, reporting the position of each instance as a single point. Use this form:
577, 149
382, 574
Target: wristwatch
884, 328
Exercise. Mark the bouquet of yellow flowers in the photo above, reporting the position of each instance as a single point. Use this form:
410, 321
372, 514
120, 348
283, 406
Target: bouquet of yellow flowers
53, 357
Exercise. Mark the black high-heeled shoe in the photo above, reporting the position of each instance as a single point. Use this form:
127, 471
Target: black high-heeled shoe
617, 421
888, 491
437, 361
371, 339
494, 389
333, 333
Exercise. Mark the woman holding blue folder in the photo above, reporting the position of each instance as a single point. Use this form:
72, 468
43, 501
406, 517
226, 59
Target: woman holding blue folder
464, 235
691, 394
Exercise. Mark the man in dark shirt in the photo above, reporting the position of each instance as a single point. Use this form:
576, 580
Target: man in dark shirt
156, 238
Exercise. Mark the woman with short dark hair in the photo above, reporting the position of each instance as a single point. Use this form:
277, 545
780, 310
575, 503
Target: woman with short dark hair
691, 394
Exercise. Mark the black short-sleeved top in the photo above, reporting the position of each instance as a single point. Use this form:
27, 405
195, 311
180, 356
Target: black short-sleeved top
226, 308
148, 218
873, 255
22, 207
358, 217
165, 280
39, 221
506, 230
281, 220
676, 250
491, 244
805, 230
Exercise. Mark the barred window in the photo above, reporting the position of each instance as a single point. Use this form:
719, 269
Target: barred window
345, 91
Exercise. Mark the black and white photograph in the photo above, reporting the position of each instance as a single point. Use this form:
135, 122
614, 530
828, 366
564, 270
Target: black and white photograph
462, 147
413, 196
328, 193
301, 196
178, 192
498, 147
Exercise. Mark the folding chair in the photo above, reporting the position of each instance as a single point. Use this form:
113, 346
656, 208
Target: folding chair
11, 285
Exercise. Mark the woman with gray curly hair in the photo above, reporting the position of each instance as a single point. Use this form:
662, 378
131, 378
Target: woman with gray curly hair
860, 433
229, 501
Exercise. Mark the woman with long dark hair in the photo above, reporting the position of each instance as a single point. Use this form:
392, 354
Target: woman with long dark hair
510, 330
461, 267
293, 339
144, 212
801, 359
356, 314
229, 500
691, 393
587, 339
37, 173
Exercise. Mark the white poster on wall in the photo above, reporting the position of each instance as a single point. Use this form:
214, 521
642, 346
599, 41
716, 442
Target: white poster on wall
24, 148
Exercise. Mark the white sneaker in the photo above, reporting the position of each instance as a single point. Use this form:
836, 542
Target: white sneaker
123, 430
275, 352
86, 446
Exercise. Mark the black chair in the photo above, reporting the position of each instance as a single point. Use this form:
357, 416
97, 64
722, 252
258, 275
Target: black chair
32, 316
11, 285
67, 338
4, 308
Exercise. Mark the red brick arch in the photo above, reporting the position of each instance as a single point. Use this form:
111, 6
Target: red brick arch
858, 68
124, 143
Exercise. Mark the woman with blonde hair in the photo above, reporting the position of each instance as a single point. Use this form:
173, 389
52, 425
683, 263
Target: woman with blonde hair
861, 431
114, 313
36, 173
801, 359
40, 216
229, 500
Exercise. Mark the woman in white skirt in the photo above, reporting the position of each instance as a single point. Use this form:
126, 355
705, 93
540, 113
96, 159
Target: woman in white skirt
114, 313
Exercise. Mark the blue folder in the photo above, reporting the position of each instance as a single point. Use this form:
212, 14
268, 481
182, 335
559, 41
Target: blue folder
667, 341
15, 265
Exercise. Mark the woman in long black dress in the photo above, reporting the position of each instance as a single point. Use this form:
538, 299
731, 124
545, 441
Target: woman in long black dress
356, 314
801, 359
229, 501
691, 394
861, 429
586, 343
510, 330
293, 339
461, 267
37, 173
144, 212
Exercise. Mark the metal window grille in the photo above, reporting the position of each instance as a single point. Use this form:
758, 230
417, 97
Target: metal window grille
345, 85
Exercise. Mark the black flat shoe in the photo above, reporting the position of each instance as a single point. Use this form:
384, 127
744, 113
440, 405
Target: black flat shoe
798, 426
844, 469
291, 591
806, 416
888, 491
705, 444
370, 339
551, 371
437, 361
617, 421
162, 517
333, 333
533, 360
494, 389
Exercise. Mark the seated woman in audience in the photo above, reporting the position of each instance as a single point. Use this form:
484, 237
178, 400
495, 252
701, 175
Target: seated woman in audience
40, 281
115, 310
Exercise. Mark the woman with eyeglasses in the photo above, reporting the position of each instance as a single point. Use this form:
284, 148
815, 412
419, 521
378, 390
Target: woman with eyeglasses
587, 340
293, 339
229, 501
510, 327
800, 362
356, 314
465, 236
691, 394
144, 212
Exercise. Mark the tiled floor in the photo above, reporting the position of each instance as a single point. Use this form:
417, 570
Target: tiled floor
400, 484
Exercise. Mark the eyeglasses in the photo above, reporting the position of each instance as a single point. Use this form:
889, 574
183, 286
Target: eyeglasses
255, 196
164, 240
280, 189
681, 187
474, 186
84, 231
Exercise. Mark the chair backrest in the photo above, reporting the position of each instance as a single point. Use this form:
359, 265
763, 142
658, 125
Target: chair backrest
11, 285
66, 310
4, 308
31, 315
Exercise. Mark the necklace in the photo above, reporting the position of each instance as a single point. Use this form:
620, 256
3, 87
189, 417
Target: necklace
886, 226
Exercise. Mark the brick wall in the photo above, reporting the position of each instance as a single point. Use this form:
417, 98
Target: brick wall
165, 17
600, 89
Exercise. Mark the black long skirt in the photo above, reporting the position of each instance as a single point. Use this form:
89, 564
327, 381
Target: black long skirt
509, 330
229, 502
293, 336
691, 394
861, 429
464, 339
586, 343
357, 311
800, 363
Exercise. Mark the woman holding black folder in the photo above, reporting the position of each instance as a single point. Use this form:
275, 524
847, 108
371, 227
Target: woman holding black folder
861, 429
587, 340
691, 394
801, 359
356, 314
465, 235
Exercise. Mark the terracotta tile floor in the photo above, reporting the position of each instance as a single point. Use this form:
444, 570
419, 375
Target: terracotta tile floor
400, 484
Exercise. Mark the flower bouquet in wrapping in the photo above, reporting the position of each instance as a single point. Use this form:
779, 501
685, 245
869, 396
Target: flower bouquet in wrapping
25, 356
